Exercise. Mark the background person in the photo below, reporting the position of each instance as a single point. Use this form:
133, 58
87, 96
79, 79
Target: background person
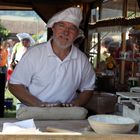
103, 55
111, 60
12, 43
52, 72
20, 48
4, 57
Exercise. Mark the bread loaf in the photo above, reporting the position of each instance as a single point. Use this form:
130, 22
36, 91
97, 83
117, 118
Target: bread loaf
51, 113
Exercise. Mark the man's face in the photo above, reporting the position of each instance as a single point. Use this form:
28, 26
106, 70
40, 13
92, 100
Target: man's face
64, 33
26, 42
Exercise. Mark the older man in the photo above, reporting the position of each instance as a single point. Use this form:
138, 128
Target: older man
51, 73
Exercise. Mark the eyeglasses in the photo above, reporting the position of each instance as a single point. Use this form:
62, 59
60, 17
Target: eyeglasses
62, 26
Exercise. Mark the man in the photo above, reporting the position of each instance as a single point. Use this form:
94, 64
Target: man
51, 73
20, 48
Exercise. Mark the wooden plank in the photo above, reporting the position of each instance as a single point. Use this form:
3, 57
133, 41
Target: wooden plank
54, 129
68, 136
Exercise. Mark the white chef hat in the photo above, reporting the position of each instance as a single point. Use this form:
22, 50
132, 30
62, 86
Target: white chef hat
72, 15
22, 36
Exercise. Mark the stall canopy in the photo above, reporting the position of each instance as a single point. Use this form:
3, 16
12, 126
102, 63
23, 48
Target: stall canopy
44, 8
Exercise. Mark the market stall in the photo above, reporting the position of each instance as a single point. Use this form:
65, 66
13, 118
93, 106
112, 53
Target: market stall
114, 19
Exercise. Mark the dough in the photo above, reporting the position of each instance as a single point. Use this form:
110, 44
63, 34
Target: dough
52, 113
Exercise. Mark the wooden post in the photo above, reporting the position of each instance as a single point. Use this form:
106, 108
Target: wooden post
98, 51
123, 61
99, 41
2, 91
123, 43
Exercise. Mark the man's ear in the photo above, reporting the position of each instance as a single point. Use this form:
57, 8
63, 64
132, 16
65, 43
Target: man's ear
53, 28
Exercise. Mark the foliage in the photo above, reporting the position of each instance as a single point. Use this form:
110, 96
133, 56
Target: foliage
35, 37
4, 33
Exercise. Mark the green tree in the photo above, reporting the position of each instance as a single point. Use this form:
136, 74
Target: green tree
4, 33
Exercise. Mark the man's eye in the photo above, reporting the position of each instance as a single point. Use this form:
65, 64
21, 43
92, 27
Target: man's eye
60, 25
72, 29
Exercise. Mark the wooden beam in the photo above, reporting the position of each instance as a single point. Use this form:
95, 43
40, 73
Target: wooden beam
2, 7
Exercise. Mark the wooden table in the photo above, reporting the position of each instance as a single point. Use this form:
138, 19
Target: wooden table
72, 125
79, 126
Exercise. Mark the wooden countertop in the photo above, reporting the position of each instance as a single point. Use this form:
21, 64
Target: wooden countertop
79, 126
72, 125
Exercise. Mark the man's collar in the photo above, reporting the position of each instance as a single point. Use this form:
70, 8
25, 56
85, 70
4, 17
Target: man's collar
50, 50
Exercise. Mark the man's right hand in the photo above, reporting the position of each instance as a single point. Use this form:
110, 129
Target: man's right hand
45, 104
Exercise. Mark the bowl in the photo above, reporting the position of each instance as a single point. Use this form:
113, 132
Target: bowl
111, 124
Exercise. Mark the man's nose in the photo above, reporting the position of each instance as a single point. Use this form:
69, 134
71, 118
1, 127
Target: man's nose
66, 31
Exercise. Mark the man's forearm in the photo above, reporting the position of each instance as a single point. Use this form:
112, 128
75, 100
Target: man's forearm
83, 98
24, 95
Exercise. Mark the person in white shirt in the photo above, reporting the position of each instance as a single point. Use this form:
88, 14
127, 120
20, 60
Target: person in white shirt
54, 71
26, 41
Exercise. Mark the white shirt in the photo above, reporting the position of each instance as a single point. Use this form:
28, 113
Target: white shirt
20, 53
49, 78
